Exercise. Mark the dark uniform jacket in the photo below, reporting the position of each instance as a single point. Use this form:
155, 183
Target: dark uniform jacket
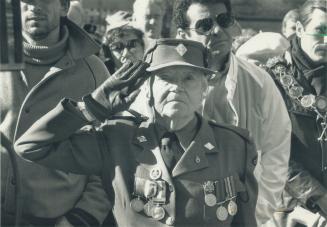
127, 156
307, 180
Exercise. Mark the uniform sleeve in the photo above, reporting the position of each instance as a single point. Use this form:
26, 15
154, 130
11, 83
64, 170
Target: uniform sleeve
248, 200
93, 206
275, 151
51, 141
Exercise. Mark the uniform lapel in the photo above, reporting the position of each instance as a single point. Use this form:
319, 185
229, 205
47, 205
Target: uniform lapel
195, 157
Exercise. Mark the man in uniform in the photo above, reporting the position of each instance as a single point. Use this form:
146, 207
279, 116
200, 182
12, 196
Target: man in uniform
172, 169
242, 94
59, 62
301, 74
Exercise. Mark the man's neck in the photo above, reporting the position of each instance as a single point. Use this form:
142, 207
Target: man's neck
187, 134
185, 128
51, 39
220, 64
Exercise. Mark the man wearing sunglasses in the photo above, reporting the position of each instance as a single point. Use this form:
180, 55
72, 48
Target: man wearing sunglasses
242, 95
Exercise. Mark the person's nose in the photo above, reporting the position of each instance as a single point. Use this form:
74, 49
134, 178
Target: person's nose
35, 5
125, 55
215, 30
177, 85
152, 21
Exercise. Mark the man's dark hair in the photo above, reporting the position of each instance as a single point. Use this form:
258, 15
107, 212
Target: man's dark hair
181, 7
292, 15
308, 7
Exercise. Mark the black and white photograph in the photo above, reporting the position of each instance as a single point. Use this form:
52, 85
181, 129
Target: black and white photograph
159, 113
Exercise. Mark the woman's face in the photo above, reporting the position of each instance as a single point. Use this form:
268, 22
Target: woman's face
178, 91
126, 47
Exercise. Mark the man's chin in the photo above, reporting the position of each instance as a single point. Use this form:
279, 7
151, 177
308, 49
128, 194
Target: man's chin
36, 34
175, 110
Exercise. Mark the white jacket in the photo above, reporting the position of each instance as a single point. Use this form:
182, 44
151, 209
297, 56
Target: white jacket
247, 97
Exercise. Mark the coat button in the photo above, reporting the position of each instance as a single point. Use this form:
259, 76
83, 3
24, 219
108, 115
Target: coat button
197, 159
255, 161
170, 221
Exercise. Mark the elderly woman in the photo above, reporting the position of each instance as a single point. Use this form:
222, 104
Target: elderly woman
173, 169
121, 41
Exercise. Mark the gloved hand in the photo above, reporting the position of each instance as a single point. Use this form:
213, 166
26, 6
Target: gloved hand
118, 92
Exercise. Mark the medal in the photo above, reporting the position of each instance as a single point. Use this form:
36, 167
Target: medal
155, 173
210, 200
161, 193
295, 92
137, 204
170, 221
158, 213
308, 100
150, 189
286, 80
147, 209
222, 213
232, 208
321, 104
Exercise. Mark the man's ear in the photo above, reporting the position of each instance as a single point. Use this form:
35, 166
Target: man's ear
65, 4
181, 33
299, 29
235, 29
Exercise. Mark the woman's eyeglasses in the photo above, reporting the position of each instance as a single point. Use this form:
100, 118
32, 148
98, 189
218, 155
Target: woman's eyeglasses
119, 46
205, 26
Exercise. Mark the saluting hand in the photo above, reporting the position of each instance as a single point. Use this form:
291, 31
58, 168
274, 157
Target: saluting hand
119, 91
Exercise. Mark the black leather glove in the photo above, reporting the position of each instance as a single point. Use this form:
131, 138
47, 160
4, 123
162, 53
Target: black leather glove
118, 92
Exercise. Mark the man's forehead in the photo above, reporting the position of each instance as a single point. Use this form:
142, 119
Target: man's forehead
318, 18
200, 10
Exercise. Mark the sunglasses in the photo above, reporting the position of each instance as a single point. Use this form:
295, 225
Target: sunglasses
119, 46
205, 26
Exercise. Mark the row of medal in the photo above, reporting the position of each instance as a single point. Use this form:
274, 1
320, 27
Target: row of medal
223, 194
153, 192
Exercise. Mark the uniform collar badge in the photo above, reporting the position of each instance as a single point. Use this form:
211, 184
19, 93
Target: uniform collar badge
209, 146
142, 139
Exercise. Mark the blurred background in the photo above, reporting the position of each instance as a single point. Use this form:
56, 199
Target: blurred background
264, 15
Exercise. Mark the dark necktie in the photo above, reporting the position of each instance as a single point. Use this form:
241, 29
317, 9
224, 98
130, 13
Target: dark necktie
166, 150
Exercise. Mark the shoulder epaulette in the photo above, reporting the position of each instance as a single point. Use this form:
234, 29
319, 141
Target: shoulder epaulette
244, 133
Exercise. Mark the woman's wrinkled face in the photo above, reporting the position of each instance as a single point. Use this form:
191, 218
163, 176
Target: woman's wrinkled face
313, 36
178, 91
127, 47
